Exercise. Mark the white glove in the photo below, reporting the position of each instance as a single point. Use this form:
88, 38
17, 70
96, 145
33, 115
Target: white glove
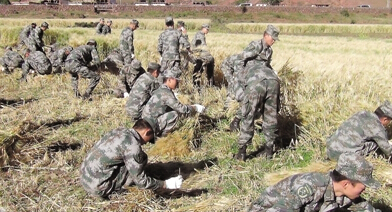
2, 69
132, 56
199, 108
176, 95
174, 182
126, 94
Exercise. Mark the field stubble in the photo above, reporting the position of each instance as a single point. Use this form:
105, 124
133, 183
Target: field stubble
337, 76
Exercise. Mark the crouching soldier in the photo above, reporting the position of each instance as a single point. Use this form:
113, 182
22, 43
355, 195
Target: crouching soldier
142, 91
163, 108
10, 60
58, 58
84, 61
128, 76
113, 63
35, 62
333, 191
117, 161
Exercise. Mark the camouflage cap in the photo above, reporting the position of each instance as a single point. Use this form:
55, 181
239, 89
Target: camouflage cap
273, 31
355, 167
101, 19
386, 107
154, 66
33, 24
8, 48
181, 23
109, 21
69, 48
205, 26
168, 19
170, 73
92, 41
136, 64
136, 22
45, 24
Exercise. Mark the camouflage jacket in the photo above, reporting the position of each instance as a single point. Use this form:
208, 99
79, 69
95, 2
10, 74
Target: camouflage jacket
229, 65
12, 59
257, 52
26, 32
98, 29
352, 134
128, 76
37, 61
182, 47
85, 55
37, 37
140, 94
201, 37
126, 41
106, 30
161, 102
169, 44
118, 148
58, 57
306, 192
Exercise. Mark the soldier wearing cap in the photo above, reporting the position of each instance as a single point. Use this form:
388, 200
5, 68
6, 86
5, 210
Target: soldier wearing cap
163, 109
24, 35
35, 62
202, 57
338, 189
10, 60
142, 90
128, 76
117, 161
107, 28
362, 134
35, 40
58, 58
169, 47
126, 42
98, 28
257, 53
84, 61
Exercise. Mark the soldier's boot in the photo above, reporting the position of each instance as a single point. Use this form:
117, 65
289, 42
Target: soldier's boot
87, 96
268, 152
241, 155
235, 125
23, 78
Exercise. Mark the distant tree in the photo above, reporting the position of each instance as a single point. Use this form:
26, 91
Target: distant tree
272, 2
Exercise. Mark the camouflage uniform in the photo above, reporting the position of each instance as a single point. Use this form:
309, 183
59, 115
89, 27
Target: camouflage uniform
361, 134
140, 94
78, 63
116, 160
38, 62
161, 111
11, 60
315, 192
25, 34
169, 48
99, 28
106, 30
128, 75
261, 93
126, 45
203, 59
113, 62
228, 67
184, 53
58, 58
35, 42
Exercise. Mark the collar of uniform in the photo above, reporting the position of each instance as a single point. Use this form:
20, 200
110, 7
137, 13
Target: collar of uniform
136, 135
329, 195
264, 45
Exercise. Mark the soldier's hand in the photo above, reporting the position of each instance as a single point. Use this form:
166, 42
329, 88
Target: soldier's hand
199, 108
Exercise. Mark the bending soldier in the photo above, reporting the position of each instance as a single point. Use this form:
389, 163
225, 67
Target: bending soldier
58, 58
35, 62
24, 35
128, 76
114, 62
35, 40
228, 67
10, 60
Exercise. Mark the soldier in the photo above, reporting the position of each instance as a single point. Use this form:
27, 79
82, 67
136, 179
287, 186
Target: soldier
340, 188
126, 42
24, 35
261, 93
10, 60
169, 47
202, 57
362, 134
184, 53
114, 62
128, 76
35, 62
35, 40
257, 52
106, 29
84, 61
228, 67
163, 108
142, 91
117, 161
58, 57
98, 28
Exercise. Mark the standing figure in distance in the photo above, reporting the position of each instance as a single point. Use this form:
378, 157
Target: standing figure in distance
126, 42
107, 28
98, 28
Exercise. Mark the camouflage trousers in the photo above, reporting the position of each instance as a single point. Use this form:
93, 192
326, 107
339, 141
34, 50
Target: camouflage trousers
42, 69
264, 96
166, 122
58, 69
127, 58
202, 63
76, 69
96, 187
168, 64
367, 148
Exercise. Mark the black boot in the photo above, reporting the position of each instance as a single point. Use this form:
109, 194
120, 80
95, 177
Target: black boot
268, 152
235, 124
87, 96
241, 155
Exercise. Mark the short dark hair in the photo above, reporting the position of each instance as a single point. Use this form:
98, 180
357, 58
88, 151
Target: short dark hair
337, 177
170, 23
165, 79
150, 70
143, 124
380, 113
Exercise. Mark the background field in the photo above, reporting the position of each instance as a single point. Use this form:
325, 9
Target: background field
46, 132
